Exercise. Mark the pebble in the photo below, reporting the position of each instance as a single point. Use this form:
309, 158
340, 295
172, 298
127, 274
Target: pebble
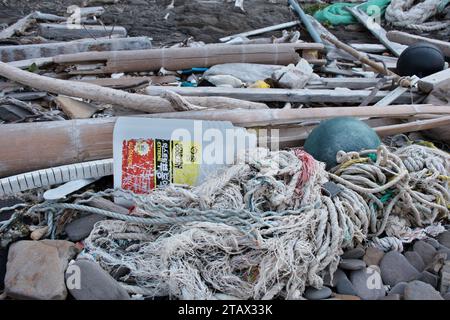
394, 296
95, 283
373, 256
399, 288
342, 283
418, 290
444, 238
429, 278
415, 260
355, 253
3, 261
66, 250
445, 278
425, 250
317, 294
437, 263
35, 271
368, 284
433, 242
445, 250
395, 268
352, 264
80, 228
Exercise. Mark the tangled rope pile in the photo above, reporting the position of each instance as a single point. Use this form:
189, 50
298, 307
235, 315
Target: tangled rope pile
403, 13
290, 232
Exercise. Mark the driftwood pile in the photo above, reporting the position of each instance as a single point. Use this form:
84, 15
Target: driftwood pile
65, 80
74, 67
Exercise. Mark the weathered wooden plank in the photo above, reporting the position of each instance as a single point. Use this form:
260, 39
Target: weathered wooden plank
34, 51
409, 39
18, 26
69, 32
25, 64
377, 30
185, 58
281, 95
129, 81
395, 94
390, 62
262, 30
369, 47
427, 84
75, 109
349, 83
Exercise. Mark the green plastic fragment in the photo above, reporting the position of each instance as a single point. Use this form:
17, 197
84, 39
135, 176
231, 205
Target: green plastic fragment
372, 156
387, 196
336, 14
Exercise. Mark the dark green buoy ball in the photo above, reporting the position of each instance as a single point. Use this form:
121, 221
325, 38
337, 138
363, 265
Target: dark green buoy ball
343, 133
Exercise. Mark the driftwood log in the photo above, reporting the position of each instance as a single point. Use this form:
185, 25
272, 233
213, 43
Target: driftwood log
74, 141
409, 39
185, 58
284, 95
64, 32
98, 93
42, 50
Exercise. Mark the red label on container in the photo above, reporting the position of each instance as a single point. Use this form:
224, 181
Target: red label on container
138, 168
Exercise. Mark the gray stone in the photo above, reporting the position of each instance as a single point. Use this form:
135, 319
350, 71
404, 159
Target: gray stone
425, 250
352, 264
95, 283
399, 288
80, 228
66, 250
446, 296
433, 242
437, 263
445, 278
367, 283
429, 278
415, 260
444, 238
355, 253
373, 256
343, 284
445, 250
317, 294
3, 261
395, 268
418, 290
394, 296
34, 271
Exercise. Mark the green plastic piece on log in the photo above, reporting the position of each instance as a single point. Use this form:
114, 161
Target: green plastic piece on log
343, 133
336, 14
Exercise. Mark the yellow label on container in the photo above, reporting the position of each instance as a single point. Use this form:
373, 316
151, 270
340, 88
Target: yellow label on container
185, 166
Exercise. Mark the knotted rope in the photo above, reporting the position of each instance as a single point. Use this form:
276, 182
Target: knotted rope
265, 227
403, 13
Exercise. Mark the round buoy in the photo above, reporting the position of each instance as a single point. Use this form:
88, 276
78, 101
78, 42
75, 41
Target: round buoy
420, 59
344, 133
